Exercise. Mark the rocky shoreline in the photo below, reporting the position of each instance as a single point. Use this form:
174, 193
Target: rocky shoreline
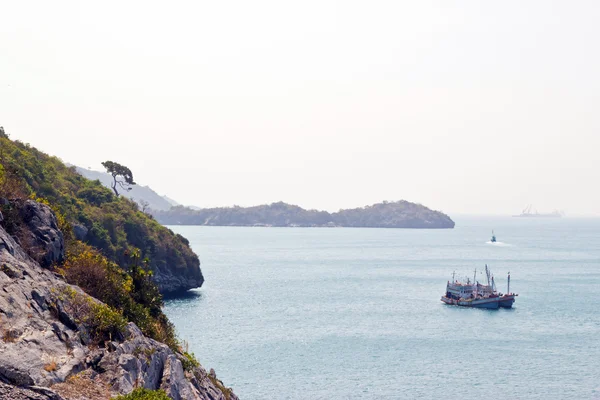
46, 352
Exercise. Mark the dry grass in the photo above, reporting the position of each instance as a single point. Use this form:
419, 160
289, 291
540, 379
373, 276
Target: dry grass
81, 386
8, 334
51, 366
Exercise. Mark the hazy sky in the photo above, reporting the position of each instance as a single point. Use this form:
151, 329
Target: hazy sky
464, 106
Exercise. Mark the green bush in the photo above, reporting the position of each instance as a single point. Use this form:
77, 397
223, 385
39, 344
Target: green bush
188, 361
101, 321
144, 394
130, 292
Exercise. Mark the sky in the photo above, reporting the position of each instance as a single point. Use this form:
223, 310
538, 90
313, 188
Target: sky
469, 107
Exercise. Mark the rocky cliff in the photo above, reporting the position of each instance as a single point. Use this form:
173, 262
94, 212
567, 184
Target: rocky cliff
49, 347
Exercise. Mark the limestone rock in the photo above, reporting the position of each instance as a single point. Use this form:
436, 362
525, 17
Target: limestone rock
170, 283
44, 239
33, 393
43, 346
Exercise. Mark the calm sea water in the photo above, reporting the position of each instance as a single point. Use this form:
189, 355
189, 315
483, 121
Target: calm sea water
297, 313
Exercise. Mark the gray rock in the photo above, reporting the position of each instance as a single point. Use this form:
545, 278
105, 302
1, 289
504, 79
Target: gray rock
45, 345
80, 231
170, 282
32, 393
46, 240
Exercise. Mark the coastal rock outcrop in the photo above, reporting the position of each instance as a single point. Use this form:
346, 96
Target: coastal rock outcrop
172, 283
34, 227
43, 343
43, 232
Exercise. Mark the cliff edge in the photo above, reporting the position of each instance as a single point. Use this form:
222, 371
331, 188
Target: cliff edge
57, 342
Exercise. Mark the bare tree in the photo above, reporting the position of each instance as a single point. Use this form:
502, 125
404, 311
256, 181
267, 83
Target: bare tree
144, 204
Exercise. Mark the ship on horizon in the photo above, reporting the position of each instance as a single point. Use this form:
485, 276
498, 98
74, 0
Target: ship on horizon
529, 212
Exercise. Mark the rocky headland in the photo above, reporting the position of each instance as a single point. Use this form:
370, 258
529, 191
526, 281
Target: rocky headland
54, 346
82, 273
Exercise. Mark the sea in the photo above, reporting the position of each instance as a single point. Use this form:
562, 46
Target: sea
353, 313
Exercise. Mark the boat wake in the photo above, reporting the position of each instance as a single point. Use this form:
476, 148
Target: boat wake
498, 243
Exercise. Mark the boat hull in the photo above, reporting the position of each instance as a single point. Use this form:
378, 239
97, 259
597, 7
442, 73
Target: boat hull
506, 301
490, 303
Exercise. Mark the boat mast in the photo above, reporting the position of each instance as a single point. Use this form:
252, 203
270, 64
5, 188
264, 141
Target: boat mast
454, 272
508, 288
487, 273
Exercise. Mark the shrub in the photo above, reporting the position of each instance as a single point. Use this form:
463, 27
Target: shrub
101, 321
188, 361
130, 292
51, 366
144, 394
95, 194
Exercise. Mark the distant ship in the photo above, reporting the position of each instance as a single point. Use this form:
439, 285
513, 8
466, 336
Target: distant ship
493, 239
474, 294
529, 213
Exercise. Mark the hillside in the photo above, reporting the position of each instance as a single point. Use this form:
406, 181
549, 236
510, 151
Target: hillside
400, 214
137, 192
81, 314
114, 225
60, 343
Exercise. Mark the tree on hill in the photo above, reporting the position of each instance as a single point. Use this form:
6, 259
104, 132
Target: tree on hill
117, 170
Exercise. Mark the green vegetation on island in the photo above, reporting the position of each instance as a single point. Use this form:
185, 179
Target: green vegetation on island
398, 214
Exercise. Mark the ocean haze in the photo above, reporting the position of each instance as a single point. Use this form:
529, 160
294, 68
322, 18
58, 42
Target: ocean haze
465, 107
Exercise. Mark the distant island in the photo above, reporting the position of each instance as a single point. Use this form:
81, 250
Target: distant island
398, 214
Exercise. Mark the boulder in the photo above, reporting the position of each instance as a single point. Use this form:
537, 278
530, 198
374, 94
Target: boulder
80, 231
44, 240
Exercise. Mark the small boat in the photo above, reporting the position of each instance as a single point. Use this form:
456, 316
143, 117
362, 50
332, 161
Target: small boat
493, 240
474, 294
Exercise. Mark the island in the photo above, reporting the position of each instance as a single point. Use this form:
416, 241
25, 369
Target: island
395, 214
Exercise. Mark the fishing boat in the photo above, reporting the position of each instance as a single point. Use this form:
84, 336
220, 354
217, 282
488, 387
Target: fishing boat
493, 239
477, 295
